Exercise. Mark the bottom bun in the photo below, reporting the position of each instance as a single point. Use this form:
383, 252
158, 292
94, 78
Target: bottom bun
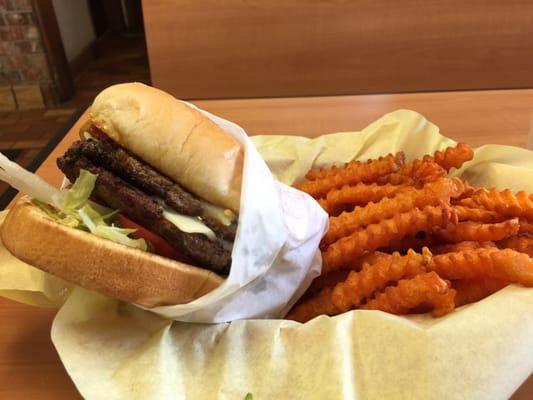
101, 265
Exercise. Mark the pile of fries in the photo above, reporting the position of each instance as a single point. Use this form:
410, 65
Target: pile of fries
405, 238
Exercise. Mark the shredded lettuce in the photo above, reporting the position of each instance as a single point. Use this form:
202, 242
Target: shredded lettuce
120, 235
56, 215
77, 211
78, 194
97, 225
70, 207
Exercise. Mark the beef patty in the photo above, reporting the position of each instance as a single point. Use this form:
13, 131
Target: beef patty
126, 183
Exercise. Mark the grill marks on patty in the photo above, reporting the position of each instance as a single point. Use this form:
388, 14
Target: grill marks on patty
120, 162
142, 208
117, 160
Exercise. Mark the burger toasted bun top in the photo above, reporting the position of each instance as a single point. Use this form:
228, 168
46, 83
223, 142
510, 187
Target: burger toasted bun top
174, 138
99, 264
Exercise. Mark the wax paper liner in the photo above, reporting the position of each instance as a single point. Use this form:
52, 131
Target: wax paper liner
484, 350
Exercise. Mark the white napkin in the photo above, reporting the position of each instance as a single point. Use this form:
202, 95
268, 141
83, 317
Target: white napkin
275, 254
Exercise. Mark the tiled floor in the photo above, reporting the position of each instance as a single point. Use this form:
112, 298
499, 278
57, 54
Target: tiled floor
118, 58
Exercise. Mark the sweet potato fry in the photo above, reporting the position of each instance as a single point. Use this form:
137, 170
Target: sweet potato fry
526, 227
438, 230
350, 176
467, 202
372, 257
398, 179
468, 191
359, 195
321, 173
444, 303
521, 243
431, 194
430, 168
471, 231
506, 202
373, 277
313, 307
327, 280
383, 233
416, 173
477, 215
472, 290
453, 157
503, 264
408, 294
461, 246
416, 243
429, 171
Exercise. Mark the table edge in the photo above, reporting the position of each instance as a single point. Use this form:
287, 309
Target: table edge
10, 192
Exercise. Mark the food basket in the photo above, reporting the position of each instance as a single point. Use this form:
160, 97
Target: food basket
480, 351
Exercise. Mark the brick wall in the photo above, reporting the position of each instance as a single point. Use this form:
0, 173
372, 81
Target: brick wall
24, 71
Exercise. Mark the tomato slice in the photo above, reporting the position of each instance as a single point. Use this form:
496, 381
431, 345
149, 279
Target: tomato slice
97, 133
159, 245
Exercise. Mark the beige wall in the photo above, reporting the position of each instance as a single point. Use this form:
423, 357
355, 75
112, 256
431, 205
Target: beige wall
75, 25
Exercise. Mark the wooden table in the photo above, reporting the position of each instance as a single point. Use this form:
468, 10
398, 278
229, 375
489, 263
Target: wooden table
29, 365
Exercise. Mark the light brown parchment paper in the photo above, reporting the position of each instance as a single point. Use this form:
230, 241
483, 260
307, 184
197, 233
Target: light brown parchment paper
26, 284
481, 351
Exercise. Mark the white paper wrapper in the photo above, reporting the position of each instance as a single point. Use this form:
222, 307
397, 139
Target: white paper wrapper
275, 254
480, 351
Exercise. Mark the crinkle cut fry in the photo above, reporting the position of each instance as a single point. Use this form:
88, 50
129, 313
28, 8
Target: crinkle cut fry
520, 243
409, 294
472, 290
350, 176
504, 264
469, 190
453, 157
383, 233
313, 307
410, 242
477, 215
326, 280
526, 227
330, 279
429, 172
431, 194
460, 246
321, 173
373, 277
424, 170
504, 202
372, 257
444, 303
359, 195
472, 231
467, 202
417, 172
397, 179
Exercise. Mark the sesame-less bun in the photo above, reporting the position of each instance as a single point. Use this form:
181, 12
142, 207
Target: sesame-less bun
99, 264
174, 138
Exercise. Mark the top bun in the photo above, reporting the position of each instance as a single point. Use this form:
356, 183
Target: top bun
176, 139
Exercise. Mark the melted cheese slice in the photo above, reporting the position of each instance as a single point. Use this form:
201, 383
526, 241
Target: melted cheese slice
186, 223
224, 215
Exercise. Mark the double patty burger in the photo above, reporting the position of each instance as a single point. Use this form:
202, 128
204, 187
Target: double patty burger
171, 172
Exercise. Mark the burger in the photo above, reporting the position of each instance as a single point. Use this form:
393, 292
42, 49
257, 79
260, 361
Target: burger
156, 193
